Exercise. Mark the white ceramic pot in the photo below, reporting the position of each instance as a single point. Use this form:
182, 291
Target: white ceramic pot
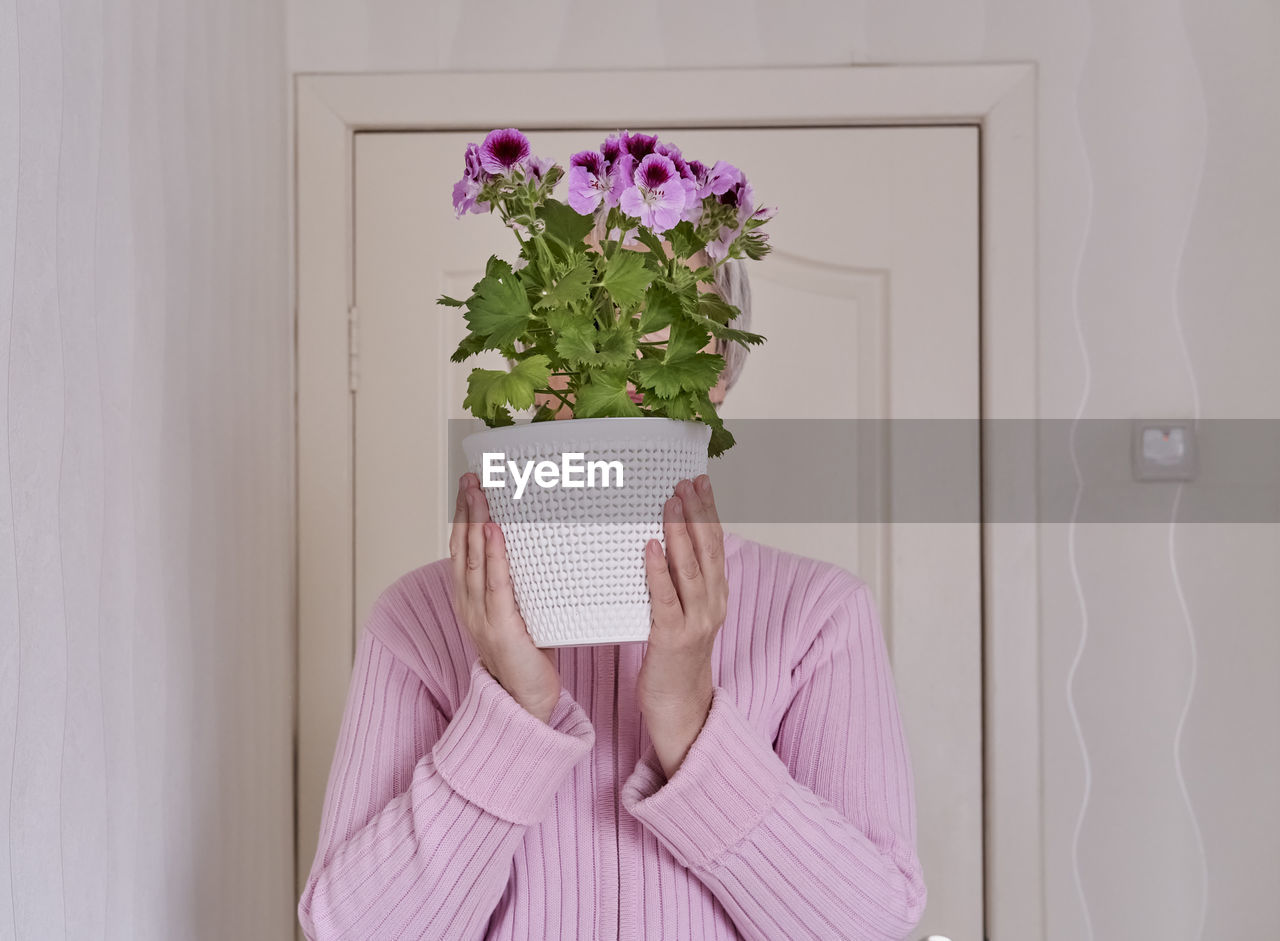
577, 553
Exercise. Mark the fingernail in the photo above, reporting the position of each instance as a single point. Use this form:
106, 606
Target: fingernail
652, 547
703, 484
678, 509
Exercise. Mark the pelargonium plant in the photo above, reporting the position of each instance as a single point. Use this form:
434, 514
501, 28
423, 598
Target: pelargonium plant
609, 319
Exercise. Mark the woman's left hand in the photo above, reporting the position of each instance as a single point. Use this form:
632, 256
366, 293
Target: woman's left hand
689, 592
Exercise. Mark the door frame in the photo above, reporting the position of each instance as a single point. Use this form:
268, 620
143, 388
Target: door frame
999, 99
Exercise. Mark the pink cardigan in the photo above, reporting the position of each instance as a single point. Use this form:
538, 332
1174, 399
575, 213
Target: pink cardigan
452, 812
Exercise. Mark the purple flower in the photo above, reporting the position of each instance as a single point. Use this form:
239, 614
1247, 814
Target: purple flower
658, 196
692, 205
621, 176
742, 196
538, 167
464, 198
502, 149
717, 180
627, 238
612, 149
639, 145
589, 181
672, 151
622, 153
467, 189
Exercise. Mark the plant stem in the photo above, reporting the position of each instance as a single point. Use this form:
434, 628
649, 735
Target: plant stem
558, 395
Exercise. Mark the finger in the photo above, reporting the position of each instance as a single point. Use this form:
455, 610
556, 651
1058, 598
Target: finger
476, 518
458, 538
698, 517
682, 560
663, 597
703, 485
499, 595
711, 545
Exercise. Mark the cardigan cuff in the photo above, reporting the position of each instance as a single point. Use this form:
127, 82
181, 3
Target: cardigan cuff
729, 779
505, 760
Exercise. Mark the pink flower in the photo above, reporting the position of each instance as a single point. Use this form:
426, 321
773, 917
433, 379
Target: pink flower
692, 204
621, 175
467, 189
538, 167
658, 196
639, 145
502, 149
589, 181
717, 180
742, 196
612, 149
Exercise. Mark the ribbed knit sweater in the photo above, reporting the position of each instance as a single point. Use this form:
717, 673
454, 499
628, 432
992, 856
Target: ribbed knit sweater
452, 812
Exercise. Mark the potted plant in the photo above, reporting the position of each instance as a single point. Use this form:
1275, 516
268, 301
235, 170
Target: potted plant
603, 321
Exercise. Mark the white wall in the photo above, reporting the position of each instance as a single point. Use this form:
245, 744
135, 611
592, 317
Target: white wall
1159, 214
145, 335
146, 640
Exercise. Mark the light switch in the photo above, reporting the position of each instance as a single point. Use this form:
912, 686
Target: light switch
1164, 450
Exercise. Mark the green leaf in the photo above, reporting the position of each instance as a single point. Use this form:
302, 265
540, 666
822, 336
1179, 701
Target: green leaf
564, 222
685, 338
660, 307
470, 346
572, 286
755, 245
605, 396
498, 418
714, 307
653, 243
721, 439
682, 278
544, 413
684, 285
625, 277
696, 373
681, 407
575, 342
583, 343
499, 310
684, 240
734, 335
489, 390
731, 334
448, 301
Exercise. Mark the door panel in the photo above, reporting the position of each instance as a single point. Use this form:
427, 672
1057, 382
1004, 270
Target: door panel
870, 304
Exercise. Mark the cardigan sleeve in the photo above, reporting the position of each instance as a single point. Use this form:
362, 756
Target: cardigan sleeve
422, 813
816, 839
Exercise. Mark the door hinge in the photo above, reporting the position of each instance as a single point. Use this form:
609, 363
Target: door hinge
353, 348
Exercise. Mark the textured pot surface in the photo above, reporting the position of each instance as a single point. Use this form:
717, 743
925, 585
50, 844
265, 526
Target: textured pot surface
577, 552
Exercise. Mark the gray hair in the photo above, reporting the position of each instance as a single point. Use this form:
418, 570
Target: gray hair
734, 288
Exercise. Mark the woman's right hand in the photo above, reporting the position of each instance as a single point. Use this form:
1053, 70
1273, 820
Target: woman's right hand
485, 603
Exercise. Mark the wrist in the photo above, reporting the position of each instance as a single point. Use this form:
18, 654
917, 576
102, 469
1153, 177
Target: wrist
673, 730
691, 705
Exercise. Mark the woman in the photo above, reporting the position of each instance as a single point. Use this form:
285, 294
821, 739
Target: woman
741, 774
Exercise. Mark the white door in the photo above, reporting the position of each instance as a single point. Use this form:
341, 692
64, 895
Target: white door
875, 258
